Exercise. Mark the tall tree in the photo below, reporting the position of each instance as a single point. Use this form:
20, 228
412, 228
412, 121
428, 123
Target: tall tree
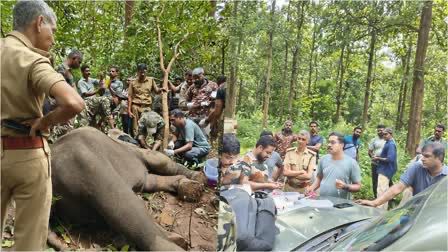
295, 54
267, 91
285, 67
403, 88
229, 111
166, 72
369, 77
418, 88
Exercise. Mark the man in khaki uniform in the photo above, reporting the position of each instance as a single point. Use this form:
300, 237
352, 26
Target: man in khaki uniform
299, 164
27, 77
139, 95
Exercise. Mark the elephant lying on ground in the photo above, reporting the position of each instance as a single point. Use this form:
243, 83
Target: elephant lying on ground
95, 178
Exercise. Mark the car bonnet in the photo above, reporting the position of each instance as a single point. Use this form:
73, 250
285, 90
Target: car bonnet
299, 225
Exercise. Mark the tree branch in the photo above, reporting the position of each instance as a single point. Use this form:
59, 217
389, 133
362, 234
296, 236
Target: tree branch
159, 37
176, 53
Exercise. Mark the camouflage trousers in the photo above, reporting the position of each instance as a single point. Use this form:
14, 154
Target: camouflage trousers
96, 106
226, 228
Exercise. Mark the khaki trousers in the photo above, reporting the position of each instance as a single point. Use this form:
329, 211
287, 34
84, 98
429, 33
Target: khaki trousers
137, 110
383, 186
26, 179
288, 188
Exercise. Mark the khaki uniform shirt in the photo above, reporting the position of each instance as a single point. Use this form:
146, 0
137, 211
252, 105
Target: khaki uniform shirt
303, 161
140, 92
26, 78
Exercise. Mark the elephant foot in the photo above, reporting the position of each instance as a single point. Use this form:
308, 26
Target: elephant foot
189, 190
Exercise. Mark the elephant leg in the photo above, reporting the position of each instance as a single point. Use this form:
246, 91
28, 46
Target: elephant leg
160, 164
185, 188
123, 211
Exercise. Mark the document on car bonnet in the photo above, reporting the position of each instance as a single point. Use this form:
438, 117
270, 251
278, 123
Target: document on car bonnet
316, 203
284, 206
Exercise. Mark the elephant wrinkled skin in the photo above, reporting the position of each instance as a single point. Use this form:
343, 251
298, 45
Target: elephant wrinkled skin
95, 179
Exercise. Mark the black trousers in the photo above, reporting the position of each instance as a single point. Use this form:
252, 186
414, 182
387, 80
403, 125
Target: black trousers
126, 121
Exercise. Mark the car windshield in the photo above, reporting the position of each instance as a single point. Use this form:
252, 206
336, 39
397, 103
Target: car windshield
384, 230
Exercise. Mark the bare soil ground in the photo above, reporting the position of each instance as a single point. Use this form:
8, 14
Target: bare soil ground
195, 222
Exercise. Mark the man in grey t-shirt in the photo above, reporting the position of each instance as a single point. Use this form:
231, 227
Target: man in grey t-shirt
337, 174
192, 143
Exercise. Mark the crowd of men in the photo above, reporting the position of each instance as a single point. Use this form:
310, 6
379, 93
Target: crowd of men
274, 163
41, 103
195, 104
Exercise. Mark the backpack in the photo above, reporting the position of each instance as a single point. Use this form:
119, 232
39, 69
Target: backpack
255, 219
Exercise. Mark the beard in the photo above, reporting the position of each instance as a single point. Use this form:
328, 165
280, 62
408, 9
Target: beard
287, 131
198, 83
260, 158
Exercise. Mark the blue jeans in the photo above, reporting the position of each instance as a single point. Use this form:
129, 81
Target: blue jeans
192, 155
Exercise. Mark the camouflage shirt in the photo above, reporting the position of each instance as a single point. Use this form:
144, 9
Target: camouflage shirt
150, 126
201, 97
284, 142
232, 175
258, 171
226, 228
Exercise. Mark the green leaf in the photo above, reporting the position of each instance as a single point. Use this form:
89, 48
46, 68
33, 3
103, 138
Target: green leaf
7, 243
125, 248
66, 238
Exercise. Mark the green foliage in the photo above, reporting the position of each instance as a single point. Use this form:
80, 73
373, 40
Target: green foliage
97, 29
327, 27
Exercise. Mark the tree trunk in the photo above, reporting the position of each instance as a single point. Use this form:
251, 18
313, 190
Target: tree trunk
229, 110
166, 72
403, 89
267, 91
240, 95
418, 88
310, 70
285, 70
369, 78
340, 86
295, 56
212, 10
223, 58
128, 12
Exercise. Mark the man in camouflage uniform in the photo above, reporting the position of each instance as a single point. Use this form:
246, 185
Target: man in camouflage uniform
299, 164
285, 139
73, 61
228, 156
226, 228
150, 130
96, 106
200, 95
255, 159
436, 138
183, 89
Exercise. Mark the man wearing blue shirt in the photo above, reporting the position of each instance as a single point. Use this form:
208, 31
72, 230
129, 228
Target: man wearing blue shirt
387, 164
352, 143
419, 175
